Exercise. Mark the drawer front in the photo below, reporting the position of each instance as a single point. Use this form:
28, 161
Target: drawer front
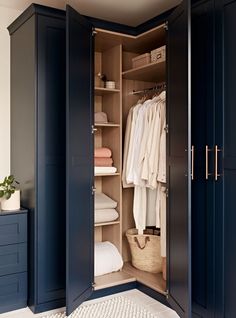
13, 229
13, 259
13, 292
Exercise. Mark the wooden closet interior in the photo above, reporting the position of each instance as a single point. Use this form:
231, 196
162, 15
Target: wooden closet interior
113, 57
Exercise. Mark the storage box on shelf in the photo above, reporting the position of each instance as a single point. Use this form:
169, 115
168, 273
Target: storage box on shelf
159, 54
141, 60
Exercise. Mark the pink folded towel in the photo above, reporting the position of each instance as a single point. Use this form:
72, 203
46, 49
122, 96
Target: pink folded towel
103, 162
102, 153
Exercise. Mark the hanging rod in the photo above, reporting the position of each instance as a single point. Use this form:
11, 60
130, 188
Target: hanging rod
147, 90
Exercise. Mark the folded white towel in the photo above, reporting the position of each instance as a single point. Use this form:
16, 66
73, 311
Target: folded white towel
105, 215
107, 258
102, 201
103, 170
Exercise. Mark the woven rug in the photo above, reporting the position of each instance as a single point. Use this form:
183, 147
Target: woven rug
116, 307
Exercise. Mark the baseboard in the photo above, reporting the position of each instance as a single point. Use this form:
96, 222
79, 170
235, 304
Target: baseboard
39, 308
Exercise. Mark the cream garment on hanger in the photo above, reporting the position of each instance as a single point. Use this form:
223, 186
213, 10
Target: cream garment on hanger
161, 177
161, 215
130, 156
126, 148
153, 159
150, 146
147, 120
140, 200
140, 208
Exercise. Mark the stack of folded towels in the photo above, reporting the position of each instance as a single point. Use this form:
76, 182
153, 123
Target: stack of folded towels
103, 161
105, 208
106, 256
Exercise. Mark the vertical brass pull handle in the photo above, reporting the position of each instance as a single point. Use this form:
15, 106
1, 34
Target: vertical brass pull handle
207, 162
192, 163
216, 162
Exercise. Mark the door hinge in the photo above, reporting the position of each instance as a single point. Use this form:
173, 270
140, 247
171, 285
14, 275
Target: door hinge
167, 294
93, 286
93, 190
167, 192
166, 129
166, 26
93, 129
94, 32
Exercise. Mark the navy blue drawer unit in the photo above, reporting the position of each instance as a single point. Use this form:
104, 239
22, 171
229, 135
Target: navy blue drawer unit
13, 292
13, 260
13, 228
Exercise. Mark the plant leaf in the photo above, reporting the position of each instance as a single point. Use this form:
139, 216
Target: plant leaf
8, 195
1, 193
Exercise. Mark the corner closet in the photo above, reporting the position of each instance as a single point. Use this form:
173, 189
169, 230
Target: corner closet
92, 52
113, 57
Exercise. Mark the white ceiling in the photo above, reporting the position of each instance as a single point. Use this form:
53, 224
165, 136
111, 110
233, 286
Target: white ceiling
130, 12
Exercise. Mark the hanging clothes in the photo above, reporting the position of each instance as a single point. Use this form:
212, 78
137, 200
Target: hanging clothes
144, 163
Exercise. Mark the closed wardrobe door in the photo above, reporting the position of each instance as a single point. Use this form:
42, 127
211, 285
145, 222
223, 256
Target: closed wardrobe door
79, 150
203, 185
179, 162
225, 158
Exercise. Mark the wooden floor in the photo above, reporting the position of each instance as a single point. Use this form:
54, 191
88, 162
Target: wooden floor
113, 279
154, 281
131, 274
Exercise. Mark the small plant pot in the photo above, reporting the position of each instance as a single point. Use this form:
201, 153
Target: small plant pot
11, 204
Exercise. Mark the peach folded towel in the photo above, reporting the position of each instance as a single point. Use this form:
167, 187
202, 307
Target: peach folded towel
102, 153
103, 162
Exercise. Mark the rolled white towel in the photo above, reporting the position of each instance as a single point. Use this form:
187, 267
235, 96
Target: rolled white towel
107, 258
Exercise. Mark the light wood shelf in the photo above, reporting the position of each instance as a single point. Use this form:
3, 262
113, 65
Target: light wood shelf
107, 174
153, 72
106, 223
154, 281
113, 279
106, 125
100, 91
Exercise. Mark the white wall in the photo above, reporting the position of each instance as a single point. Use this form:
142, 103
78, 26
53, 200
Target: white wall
6, 17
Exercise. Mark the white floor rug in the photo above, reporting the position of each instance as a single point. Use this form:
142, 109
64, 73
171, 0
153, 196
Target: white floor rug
116, 307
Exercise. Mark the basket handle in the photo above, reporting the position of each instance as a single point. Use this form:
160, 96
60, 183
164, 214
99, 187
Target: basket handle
147, 239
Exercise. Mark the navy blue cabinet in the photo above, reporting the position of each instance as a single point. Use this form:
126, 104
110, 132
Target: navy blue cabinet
13, 260
38, 146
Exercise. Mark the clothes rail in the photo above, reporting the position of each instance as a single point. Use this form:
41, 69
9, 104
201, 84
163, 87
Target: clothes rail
148, 90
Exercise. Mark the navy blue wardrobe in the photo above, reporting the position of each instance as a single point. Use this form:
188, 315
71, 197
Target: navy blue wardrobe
52, 97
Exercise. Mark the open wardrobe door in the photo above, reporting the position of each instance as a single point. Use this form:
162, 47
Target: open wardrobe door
79, 170
179, 161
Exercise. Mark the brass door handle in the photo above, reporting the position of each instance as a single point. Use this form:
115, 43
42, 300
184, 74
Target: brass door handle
207, 162
192, 163
216, 162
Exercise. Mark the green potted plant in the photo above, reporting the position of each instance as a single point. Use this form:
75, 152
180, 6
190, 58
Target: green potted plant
9, 194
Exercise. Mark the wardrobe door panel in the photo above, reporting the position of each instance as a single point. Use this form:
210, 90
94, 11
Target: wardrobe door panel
79, 195
178, 160
226, 140
203, 212
50, 216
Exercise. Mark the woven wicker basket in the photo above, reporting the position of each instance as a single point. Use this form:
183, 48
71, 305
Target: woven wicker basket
145, 251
